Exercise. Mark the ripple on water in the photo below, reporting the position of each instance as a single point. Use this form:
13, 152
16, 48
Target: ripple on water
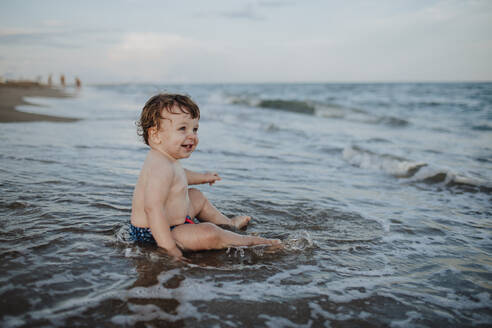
420, 258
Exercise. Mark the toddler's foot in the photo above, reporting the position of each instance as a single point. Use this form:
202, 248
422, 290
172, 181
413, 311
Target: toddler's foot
275, 245
240, 222
271, 242
275, 242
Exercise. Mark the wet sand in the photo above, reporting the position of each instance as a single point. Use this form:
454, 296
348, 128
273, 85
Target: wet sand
12, 95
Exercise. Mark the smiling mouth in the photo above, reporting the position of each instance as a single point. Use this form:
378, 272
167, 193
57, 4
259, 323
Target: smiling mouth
188, 147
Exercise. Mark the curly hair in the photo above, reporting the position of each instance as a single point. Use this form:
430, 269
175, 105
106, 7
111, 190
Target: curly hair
151, 112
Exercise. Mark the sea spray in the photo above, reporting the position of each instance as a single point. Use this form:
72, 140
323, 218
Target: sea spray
236, 251
298, 241
413, 171
394, 165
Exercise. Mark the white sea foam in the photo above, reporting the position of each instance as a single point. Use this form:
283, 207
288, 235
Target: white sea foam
273, 288
413, 171
148, 312
318, 312
275, 321
206, 289
411, 316
329, 111
390, 164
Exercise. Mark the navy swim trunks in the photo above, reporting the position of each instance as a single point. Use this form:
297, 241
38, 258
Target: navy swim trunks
145, 235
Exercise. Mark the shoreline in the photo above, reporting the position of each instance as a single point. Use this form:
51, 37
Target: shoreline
12, 95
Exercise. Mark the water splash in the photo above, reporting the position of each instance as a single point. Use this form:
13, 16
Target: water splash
236, 252
122, 235
299, 241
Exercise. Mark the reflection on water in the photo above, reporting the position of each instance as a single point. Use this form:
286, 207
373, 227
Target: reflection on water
381, 194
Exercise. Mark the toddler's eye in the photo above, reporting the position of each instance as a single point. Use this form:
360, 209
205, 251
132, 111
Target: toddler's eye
182, 128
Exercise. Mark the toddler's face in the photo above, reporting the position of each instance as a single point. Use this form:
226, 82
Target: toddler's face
178, 133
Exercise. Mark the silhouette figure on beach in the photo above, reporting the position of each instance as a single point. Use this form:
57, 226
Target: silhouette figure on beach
62, 80
50, 81
78, 83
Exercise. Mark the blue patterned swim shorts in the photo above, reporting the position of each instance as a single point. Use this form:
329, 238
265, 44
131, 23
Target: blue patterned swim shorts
145, 235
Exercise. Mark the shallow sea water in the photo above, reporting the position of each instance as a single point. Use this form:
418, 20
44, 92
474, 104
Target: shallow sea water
380, 192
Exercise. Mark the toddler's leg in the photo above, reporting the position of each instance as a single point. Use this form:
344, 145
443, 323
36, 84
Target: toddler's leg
205, 236
204, 210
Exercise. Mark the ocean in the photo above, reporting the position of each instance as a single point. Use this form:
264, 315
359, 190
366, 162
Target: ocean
380, 192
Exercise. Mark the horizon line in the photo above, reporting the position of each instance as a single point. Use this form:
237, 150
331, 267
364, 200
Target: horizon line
293, 82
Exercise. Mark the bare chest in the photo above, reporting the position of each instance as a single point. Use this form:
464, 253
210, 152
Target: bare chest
179, 189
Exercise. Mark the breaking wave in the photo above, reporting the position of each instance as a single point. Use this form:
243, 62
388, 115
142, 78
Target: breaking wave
320, 109
400, 167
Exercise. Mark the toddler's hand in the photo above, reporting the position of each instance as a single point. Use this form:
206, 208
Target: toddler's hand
176, 253
211, 177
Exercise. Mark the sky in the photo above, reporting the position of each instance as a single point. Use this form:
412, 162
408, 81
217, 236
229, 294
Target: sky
224, 41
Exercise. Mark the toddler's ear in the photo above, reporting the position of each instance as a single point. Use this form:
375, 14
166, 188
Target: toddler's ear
154, 136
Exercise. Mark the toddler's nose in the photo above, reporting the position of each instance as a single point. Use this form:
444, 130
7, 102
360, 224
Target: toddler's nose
192, 136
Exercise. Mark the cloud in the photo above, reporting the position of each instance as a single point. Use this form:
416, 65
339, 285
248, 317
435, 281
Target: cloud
272, 3
149, 47
53, 23
353, 41
163, 57
54, 37
253, 10
34, 37
248, 12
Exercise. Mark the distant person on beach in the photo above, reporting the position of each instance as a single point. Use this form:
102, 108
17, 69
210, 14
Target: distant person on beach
62, 80
50, 82
78, 84
164, 209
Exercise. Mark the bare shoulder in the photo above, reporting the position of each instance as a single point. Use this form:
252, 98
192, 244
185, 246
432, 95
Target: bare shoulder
159, 166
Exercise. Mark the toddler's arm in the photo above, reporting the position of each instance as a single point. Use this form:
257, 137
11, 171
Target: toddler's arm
201, 178
155, 195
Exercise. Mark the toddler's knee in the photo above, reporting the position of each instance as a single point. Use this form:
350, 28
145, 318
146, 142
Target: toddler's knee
209, 229
194, 191
196, 195
212, 233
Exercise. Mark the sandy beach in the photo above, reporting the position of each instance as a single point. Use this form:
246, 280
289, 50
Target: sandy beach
12, 95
